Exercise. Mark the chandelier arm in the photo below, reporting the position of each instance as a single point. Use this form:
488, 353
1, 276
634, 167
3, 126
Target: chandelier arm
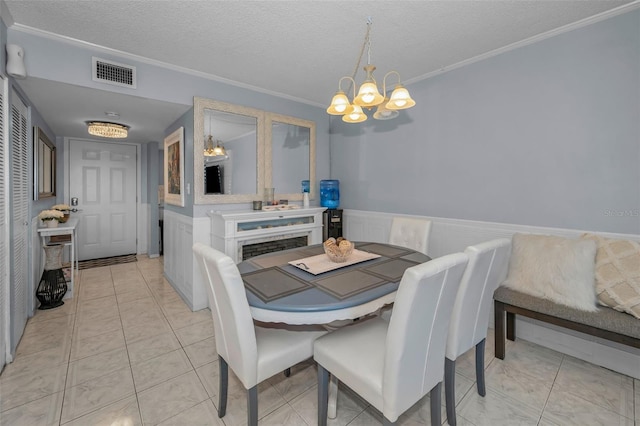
384, 81
352, 85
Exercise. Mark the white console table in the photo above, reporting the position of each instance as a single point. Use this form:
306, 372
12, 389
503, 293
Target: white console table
66, 228
234, 229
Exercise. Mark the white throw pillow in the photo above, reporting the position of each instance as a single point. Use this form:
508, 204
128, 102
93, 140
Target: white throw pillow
554, 268
618, 274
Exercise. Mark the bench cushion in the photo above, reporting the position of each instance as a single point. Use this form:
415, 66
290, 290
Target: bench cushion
604, 318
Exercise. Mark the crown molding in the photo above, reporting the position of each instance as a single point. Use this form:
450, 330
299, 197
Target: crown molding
122, 54
629, 7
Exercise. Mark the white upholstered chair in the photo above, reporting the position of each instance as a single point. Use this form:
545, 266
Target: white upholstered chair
411, 233
487, 268
394, 364
253, 353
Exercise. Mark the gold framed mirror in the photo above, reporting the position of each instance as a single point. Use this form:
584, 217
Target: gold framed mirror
238, 175
44, 165
290, 155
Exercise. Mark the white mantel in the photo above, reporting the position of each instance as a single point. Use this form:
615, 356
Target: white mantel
230, 230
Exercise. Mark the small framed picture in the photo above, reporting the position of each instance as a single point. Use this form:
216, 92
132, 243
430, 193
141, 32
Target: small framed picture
174, 168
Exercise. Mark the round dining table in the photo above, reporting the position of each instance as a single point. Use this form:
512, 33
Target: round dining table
301, 286
281, 288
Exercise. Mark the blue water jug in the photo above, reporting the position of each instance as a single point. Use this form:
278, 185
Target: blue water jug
330, 193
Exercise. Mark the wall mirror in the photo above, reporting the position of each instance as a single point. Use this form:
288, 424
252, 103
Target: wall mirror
237, 175
290, 155
44, 166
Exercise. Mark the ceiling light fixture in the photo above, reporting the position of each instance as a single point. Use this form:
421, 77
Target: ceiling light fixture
106, 129
214, 153
368, 94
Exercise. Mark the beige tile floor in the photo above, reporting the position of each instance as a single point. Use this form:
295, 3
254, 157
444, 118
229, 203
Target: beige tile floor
127, 351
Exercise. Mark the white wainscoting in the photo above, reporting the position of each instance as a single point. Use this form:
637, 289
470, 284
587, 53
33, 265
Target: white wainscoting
453, 235
180, 268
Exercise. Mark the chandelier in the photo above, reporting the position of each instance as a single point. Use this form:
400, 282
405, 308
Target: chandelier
214, 153
368, 94
217, 151
107, 130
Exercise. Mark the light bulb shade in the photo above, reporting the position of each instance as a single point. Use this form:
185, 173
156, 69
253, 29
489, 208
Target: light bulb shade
15, 61
355, 116
400, 99
382, 113
339, 104
368, 95
107, 130
219, 151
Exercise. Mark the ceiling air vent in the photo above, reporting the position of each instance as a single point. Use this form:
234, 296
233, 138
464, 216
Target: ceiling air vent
110, 72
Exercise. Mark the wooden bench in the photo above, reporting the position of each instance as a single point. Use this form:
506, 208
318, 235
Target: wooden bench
605, 323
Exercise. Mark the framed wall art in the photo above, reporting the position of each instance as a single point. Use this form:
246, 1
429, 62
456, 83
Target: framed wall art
174, 168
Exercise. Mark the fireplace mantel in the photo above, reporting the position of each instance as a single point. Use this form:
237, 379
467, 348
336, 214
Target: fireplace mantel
231, 230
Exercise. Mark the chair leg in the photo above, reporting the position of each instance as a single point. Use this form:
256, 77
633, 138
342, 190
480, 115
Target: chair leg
252, 406
498, 312
511, 326
480, 367
450, 390
223, 382
436, 400
323, 395
287, 372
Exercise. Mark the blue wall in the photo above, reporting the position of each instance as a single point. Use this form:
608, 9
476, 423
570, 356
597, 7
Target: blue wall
544, 135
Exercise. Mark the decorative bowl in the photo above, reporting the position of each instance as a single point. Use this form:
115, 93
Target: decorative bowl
338, 250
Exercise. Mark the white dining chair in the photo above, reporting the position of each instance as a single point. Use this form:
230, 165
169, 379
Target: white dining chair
487, 268
253, 353
394, 364
411, 233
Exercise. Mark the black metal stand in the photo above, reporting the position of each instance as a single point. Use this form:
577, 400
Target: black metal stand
53, 285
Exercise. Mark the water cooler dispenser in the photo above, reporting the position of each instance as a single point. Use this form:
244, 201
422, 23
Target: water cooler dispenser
332, 221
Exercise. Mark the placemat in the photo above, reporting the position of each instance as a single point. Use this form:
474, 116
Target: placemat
384, 250
348, 284
276, 259
417, 257
321, 263
273, 283
392, 269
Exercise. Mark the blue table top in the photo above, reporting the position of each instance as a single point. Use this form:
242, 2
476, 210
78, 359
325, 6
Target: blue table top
314, 299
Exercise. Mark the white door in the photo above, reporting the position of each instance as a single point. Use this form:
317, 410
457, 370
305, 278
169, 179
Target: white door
20, 290
103, 179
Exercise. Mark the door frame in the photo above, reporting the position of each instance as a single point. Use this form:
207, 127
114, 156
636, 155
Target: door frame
141, 220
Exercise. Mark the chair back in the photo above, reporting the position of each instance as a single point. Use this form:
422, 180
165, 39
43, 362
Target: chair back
487, 268
417, 333
234, 330
411, 233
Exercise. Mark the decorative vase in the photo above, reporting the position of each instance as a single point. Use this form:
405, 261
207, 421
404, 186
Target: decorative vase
53, 285
65, 218
52, 223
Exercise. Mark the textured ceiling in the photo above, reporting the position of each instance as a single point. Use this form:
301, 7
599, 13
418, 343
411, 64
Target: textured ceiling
300, 49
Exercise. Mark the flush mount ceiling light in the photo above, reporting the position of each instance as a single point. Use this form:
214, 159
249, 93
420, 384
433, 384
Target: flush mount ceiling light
368, 94
106, 129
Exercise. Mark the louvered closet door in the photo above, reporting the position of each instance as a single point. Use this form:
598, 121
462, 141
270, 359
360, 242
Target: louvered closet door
5, 331
19, 215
